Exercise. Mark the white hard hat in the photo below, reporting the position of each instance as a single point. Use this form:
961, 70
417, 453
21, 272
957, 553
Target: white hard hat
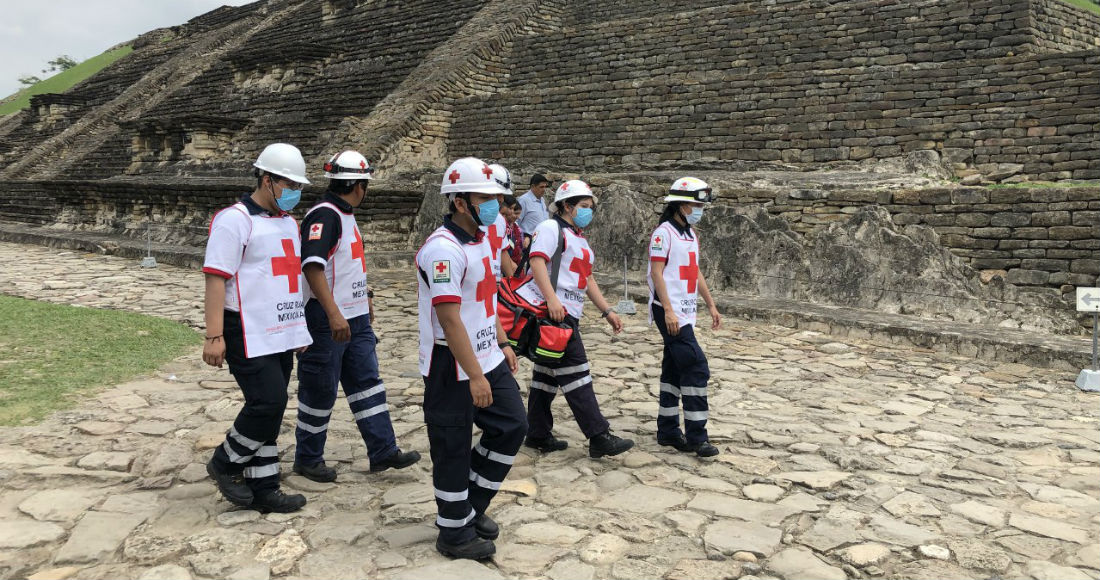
349, 165
469, 175
503, 177
690, 189
573, 188
283, 160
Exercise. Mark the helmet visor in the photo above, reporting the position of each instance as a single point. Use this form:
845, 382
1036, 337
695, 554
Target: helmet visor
705, 195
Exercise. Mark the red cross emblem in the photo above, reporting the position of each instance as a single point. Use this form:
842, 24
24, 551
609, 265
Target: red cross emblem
684, 184
657, 239
440, 267
357, 250
583, 267
362, 165
690, 273
495, 241
454, 177
289, 265
488, 172
565, 186
487, 288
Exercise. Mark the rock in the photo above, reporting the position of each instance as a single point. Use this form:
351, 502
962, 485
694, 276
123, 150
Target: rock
166, 572
1044, 570
398, 538
520, 487
742, 509
141, 503
408, 493
980, 513
452, 570
524, 559
834, 348
634, 568
570, 569
234, 517
189, 491
169, 457
1048, 527
106, 460
643, 499
814, 479
974, 554
26, 533
863, 555
387, 560
729, 536
549, 533
60, 505
688, 522
218, 551
934, 551
151, 550
803, 563
251, 572
282, 551
745, 557
97, 536
710, 569
62, 573
192, 473
763, 492
910, 504
155, 428
604, 549
639, 459
343, 528
304, 484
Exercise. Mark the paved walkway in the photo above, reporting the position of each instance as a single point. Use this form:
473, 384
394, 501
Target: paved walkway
839, 459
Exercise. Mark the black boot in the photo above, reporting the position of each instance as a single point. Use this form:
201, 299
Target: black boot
485, 527
548, 444
317, 472
277, 501
705, 449
399, 460
607, 444
475, 549
232, 486
680, 444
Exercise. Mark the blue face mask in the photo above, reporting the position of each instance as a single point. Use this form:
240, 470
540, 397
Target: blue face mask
289, 199
584, 217
694, 217
488, 211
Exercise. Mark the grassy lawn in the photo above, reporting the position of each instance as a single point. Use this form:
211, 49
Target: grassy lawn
51, 355
1086, 4
63, 80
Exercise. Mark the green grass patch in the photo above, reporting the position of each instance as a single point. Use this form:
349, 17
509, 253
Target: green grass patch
1085, 4
1045, 184
51, 355
63, 80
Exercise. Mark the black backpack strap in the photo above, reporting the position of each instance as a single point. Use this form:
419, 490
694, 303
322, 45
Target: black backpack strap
555, 262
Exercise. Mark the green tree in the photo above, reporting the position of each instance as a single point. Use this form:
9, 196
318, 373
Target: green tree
28, 80
62, 63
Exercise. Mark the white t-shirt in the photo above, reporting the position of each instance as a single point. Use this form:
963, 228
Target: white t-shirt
577, 261
259, 256
680, 254
450, 271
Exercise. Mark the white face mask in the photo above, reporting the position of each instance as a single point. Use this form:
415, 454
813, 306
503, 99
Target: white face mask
694, 217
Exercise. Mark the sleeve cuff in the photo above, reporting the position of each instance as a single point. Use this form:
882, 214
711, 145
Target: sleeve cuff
540, 255
314, 260
658, 259
446, 299
216, 272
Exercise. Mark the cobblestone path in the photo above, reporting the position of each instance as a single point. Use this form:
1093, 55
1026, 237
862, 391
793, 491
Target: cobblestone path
839, 459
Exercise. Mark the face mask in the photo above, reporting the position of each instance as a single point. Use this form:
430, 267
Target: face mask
694, 217
487, 212
584, 217
290, 198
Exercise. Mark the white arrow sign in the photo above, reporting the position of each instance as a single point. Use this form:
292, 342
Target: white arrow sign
1088, 299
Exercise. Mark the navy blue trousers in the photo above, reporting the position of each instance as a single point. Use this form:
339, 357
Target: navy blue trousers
466, 479
573, 376
250, 446
353, 364
684, 377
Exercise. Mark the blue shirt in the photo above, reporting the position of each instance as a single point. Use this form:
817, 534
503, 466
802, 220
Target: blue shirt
532, 212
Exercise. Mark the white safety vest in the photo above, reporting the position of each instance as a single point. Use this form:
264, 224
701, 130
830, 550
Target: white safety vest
497, 236
346, 268
681, 257
577, 261
457, 273
266, 288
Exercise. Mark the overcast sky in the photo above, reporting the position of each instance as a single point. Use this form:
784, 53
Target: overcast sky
34, 32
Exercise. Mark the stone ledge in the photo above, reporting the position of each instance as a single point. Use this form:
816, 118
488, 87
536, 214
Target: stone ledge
987, 343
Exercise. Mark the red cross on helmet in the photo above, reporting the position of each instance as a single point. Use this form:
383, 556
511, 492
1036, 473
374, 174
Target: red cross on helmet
350, 165
469, 175
573, 188
690, 189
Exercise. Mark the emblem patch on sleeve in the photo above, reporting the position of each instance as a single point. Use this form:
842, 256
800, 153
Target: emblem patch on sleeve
315, 231
658, 244
441, 271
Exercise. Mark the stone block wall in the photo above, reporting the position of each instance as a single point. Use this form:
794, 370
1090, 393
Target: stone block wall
1059, 27
1036, 110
